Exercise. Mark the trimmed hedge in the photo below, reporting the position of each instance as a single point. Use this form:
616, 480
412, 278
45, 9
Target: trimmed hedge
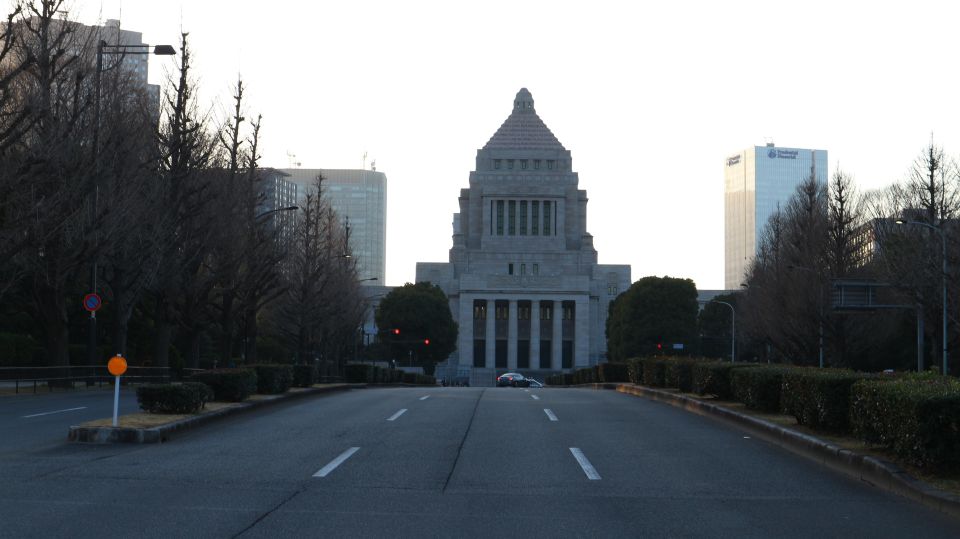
679, 373
916, 417
229, 385
654, 371
612, 372
357, 373
819, 398
273, 379
635, 371
713, 377
305, 375
183, 398
588, 375
758, 388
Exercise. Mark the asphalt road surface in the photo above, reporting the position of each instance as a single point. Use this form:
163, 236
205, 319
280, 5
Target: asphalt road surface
446, 462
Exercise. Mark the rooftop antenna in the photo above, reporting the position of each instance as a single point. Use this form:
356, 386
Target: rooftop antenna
292, 160
364, 167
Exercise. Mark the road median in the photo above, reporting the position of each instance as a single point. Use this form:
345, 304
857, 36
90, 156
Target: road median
158, 428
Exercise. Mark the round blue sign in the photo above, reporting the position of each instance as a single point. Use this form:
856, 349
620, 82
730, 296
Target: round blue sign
772, 154
92, 302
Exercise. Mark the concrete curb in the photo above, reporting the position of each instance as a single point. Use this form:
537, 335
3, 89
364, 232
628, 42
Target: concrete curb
877, 472
153, 435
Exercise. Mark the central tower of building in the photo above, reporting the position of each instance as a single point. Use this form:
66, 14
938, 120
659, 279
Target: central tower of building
523, 279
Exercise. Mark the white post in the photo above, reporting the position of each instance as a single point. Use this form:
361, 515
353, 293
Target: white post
116, 399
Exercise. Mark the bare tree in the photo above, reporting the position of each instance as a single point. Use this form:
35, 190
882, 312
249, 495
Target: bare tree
183, 285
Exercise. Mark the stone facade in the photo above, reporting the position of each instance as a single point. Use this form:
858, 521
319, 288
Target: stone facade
523, 279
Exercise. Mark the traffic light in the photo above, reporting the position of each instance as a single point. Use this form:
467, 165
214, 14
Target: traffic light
659, 346
426, 341
396, 331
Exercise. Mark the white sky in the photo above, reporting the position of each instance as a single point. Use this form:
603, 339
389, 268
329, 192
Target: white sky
650, 97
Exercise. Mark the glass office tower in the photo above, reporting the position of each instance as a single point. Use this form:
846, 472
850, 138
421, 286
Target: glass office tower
758, 182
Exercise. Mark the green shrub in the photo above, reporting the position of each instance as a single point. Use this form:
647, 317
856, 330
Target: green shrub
305, 375
819, 398
612, 373
917, 417
409, 377
635, 371
654, 371
182, 398
679, 373
425, 380
586, 375
229, 385
758, 388
713, 377
357, 373
273, 379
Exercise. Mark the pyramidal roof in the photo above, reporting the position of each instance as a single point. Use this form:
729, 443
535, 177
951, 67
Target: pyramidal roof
523, 129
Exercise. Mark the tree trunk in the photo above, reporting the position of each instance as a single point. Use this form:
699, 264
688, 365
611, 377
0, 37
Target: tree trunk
53, 312
161, 349
250, 341
226, 328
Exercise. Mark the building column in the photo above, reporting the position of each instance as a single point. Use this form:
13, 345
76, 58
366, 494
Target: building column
512, 336
535, 334
556, 362
581, 336
465, 350
489, 362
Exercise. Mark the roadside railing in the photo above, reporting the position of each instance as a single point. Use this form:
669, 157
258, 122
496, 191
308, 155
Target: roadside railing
67, 376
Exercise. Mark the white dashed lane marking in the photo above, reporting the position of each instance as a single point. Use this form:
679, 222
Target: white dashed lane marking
585, 464
550, 414
336, 462
53, 412
425, 397
396, 415
536, 398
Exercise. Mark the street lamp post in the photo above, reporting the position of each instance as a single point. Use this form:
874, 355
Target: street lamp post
943, 280
733, 326
102, 47
275, 210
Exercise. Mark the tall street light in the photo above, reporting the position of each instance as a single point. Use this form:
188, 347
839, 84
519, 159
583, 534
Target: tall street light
104, 47
275, 210
733, 328
943, 279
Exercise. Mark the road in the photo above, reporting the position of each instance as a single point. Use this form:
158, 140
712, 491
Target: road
449, 462
31, 422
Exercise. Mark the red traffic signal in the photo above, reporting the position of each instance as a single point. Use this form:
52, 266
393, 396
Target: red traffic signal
426, 341
396, 331
659, 346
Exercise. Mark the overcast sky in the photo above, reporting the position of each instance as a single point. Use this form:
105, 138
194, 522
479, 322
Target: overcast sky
649, 97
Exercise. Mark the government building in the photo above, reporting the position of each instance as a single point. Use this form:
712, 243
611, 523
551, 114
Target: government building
523, 279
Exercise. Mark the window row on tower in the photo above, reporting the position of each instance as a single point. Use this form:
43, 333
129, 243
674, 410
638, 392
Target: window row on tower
523, 217
522, 164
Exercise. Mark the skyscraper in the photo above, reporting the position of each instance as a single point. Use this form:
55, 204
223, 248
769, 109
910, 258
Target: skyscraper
360, 199
523, 280
757, 182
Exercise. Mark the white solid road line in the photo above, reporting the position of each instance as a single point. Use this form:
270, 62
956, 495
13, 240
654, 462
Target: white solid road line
585, 464
396, 415
425, 397
336, 462
549, 413
536, 398
54, 412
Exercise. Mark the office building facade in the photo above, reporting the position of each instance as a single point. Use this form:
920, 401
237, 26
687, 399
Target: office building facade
758, 182
523, 279
359, 197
